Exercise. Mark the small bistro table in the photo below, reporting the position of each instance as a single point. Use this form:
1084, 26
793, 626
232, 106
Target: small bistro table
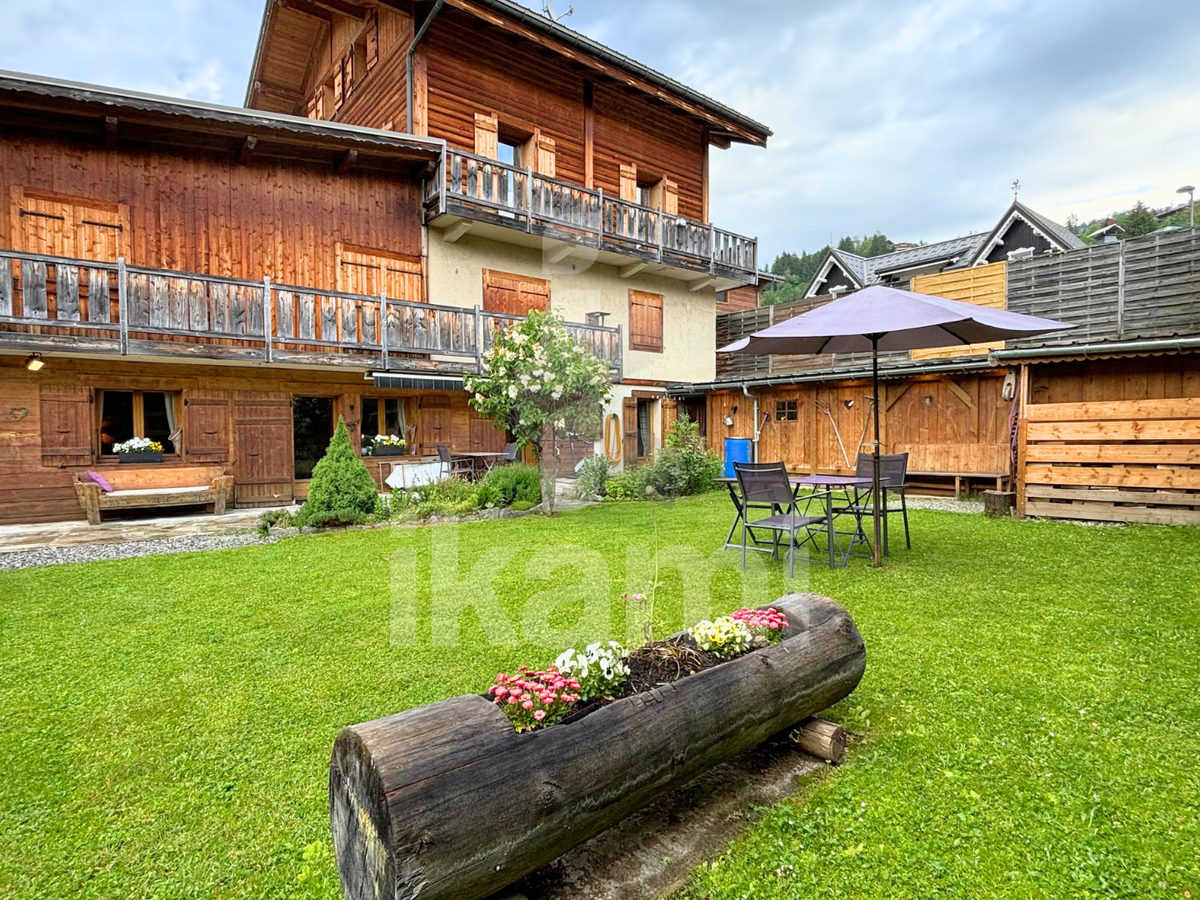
486, 458
815, 487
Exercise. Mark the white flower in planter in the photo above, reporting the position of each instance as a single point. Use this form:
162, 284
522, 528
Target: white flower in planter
600, 670
138, 445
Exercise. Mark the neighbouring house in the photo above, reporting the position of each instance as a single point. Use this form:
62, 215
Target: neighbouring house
1020, 233
402, 182
1100, 422
747, 296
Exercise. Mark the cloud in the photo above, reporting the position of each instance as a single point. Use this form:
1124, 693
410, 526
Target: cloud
912, 118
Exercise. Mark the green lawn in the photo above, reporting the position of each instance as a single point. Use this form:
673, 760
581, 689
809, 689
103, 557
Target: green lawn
1030, 708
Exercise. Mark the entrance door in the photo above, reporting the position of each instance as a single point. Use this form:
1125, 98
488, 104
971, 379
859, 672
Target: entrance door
312, 427
262, 427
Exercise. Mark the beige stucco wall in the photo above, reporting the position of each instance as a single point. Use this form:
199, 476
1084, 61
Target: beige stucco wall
578, 287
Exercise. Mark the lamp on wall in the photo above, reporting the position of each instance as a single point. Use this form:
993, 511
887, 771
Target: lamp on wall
35, 362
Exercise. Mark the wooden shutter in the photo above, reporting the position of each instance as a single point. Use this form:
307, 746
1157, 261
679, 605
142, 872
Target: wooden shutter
372, 38
369, 272
670, 197
339, 91
98, 233
68, 425
45, 226
670, 415
486, 135
629, 185
629, 431
545, 155
645, 321
205, 429
516, 295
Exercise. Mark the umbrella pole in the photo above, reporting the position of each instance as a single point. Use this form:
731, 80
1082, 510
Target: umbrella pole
876, 512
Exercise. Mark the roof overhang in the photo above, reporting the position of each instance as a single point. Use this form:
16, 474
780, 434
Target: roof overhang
109, 115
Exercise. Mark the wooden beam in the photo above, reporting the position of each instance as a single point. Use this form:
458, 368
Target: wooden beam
309, 9
633, 268
889, 402
348, 159
958, 391
110, 132
282, 91
701, 283
247, 150
342, 7
455, 231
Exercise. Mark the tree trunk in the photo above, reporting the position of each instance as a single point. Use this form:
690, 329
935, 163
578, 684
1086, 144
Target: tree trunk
822, 739
448, 801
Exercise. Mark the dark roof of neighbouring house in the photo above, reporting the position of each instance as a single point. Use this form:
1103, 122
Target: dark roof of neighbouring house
958, 252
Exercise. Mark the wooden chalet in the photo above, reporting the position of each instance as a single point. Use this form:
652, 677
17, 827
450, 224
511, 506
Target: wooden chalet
405, 179
1101, 422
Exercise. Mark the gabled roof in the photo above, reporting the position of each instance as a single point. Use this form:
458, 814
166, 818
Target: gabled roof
868, 270
1058, 235
727, 124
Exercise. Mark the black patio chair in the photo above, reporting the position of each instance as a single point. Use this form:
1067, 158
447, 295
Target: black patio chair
765, 486
510, 454
893, 474
455, 465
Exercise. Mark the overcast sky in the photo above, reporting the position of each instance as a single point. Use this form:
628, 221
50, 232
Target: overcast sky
908, 118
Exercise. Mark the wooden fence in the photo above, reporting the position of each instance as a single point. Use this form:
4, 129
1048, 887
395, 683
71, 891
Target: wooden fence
1119, 461
981, 285
1145, 287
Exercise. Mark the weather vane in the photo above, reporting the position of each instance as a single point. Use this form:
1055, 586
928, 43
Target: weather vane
1016, 188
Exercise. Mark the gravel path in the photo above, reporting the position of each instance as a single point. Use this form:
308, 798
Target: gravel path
27, 559
945, 504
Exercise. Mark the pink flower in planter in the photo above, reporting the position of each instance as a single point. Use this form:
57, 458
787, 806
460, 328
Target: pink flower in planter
539, 715
528, 704
500, 692
512, 701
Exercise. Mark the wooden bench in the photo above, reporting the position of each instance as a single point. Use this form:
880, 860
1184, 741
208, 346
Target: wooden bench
137, 487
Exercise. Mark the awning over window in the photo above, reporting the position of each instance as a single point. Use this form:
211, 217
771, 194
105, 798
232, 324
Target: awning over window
418, 382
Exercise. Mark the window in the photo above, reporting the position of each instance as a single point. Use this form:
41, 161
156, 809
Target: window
509, 153
148, 414
785, 411
312, 427
384, 416
645, 428
645, 321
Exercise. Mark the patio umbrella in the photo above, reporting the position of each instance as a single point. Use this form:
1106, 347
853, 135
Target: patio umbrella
882, 318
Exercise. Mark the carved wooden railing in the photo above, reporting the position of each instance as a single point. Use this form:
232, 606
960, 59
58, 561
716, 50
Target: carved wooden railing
50, 303
525, 199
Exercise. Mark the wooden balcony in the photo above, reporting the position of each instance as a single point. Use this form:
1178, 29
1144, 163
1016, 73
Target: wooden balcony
479, 189
55, 304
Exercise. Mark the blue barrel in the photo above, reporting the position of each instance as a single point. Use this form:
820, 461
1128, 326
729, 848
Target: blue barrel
737, 450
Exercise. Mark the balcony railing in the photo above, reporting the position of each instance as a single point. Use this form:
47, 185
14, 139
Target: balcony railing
477, 187
53, 303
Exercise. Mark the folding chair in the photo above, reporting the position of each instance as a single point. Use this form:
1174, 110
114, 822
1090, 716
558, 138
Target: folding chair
893, 473
455, 465
510, 454
766, 486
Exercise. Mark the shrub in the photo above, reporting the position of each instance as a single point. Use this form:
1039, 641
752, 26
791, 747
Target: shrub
508, 485
629, 484
684, 466
453, 496
281, 518
592, 478
342, 491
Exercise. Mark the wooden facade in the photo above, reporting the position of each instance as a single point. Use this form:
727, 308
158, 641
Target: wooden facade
237, 418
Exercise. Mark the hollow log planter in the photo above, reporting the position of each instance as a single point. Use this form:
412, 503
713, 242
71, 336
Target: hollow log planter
448, 801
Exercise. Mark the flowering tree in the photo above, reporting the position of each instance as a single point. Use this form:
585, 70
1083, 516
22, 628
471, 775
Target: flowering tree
542, 384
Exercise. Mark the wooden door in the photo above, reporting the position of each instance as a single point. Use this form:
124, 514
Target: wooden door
629, 431
205, 428
515, 295
67, 424
56, 227
262, 428
434, 425
486, 437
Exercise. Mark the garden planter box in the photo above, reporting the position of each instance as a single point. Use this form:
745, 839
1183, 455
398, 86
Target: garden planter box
448, 801
387, 451
141, 456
